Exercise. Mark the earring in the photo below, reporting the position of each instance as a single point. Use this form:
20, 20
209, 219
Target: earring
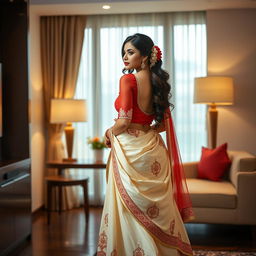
143, 65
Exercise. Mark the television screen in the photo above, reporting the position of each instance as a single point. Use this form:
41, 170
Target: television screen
1, 114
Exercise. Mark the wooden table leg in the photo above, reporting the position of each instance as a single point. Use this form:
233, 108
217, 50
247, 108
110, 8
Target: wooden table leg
60, 171
49, 202
60, 198
86, 201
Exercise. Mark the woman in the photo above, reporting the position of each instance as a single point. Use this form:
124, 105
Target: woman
146, 200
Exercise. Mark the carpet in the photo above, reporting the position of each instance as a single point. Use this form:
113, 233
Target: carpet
222, 253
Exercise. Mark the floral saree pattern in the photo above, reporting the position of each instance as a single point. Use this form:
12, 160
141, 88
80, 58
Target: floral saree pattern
140, 215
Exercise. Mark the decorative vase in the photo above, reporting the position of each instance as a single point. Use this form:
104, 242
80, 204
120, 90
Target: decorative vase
98, 155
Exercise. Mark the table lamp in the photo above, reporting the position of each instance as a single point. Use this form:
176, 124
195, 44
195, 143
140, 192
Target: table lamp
214, 90
68, 111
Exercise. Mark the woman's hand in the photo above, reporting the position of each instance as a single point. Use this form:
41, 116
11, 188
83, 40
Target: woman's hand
158, 127
107, 138
120, 126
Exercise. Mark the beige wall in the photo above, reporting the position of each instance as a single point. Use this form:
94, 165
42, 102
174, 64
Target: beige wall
36, 98
231, 36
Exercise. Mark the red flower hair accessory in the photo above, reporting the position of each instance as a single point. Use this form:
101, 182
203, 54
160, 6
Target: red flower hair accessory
156, 55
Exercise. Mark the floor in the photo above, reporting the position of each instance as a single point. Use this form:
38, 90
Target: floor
68, 235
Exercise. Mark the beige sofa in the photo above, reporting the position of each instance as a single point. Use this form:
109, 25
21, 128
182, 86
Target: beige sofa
231, 201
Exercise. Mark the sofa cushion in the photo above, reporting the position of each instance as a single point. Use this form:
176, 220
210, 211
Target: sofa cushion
212, 194
213, 163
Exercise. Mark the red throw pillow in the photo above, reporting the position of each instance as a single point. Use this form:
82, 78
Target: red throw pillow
213, 163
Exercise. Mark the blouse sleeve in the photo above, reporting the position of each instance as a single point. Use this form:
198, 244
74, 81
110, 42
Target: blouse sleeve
125, 98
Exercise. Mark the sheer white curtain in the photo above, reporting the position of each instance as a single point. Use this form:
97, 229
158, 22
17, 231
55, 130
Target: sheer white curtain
189, 61
182, 38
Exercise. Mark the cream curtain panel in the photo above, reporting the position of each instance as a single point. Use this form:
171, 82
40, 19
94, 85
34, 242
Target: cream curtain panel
182, 39
61, 47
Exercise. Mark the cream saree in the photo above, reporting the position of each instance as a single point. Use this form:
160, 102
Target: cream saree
140, 216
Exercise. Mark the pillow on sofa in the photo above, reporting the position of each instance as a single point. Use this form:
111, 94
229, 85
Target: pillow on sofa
213, 163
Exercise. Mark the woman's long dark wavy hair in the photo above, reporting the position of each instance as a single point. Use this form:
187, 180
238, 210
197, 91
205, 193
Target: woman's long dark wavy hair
159, 77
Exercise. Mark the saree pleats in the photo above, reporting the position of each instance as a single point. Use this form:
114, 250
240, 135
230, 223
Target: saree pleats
140, 216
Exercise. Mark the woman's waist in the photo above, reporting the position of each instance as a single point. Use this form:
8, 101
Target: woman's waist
141, 127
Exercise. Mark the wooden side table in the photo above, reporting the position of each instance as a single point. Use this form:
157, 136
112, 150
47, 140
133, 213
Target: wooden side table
60, 181
80, 164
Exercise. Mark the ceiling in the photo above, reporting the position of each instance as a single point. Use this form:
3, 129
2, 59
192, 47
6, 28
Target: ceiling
88, 1
121, 1
231, 3
135, 6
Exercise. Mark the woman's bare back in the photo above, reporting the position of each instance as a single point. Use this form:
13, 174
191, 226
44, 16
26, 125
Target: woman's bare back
144, 92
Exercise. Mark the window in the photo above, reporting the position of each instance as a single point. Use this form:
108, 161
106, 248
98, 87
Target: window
182, 39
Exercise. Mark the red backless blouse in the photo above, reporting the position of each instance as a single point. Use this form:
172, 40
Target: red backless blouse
126, 103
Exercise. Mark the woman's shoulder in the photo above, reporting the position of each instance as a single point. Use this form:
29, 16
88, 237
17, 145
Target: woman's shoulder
142, 75
128, 79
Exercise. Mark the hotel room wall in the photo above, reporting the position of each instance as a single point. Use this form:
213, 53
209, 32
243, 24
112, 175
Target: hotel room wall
232, 52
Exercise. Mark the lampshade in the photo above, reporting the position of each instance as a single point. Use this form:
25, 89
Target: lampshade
68, 110
213, 89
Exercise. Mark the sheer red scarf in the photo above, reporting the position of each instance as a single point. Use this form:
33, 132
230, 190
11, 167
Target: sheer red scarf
180, 189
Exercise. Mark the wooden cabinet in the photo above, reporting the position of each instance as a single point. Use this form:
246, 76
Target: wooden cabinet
15, 180
15, 204
14, 142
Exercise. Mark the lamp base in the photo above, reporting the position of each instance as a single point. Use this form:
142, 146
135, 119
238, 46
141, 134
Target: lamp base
69, 159
213, 122
69, 132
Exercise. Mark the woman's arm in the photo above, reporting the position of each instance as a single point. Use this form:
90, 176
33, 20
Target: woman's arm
120, 126
125, 105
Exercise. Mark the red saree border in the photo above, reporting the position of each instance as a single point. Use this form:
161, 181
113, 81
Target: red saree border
144, 220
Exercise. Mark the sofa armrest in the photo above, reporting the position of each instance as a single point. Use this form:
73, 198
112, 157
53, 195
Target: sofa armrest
246, 193
247, 164
190, 169
241, 162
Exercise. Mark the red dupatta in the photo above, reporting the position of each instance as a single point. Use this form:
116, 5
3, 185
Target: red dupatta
180, 189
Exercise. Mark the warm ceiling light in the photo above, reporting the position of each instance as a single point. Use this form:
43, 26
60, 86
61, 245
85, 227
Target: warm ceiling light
106, 7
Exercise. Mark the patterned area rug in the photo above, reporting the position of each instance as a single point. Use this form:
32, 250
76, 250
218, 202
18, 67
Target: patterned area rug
222, 253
